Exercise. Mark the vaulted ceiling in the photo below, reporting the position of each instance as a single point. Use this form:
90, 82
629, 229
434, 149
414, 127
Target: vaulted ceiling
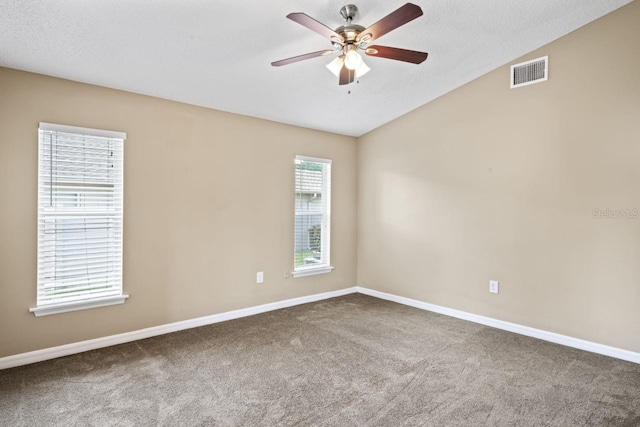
217, 54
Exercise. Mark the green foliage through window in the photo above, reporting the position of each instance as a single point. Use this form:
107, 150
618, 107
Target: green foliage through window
309, 166
315, 238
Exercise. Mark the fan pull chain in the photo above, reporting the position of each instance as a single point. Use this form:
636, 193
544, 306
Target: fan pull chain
349, 90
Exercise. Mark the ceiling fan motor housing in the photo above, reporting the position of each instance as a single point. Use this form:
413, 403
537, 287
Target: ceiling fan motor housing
350, 32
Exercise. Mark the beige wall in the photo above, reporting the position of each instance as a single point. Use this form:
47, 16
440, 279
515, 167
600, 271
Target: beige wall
492, 183
208, 203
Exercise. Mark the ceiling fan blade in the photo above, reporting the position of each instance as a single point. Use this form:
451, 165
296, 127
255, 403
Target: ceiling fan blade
404, 55
301, 57
395, 19
307, 21
346, 76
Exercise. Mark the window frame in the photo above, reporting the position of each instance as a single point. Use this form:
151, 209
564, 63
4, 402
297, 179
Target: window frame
325, 265
44, 308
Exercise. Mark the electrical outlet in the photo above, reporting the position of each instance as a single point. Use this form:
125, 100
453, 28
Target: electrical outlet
287, 273
260, 277
493, 286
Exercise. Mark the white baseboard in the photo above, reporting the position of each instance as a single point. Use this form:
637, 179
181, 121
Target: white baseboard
82, 346
79, 347
605, 350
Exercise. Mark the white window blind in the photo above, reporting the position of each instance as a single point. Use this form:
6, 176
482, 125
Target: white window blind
312, 215
80, 195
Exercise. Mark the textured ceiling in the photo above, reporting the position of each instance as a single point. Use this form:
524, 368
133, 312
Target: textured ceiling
217, 54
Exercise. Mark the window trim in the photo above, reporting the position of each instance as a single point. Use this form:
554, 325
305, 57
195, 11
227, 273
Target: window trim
85, 131
45, 310
63, 307
311, 270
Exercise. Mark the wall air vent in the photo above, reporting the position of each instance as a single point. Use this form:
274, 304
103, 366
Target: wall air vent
530, 72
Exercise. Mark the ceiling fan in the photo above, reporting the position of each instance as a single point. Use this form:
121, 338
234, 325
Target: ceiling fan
348, 39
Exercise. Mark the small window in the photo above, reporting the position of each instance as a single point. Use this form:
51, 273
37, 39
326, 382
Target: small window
80, 190
312, 216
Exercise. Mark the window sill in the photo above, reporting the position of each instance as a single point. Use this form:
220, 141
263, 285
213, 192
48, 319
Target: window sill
312, 271
46, 310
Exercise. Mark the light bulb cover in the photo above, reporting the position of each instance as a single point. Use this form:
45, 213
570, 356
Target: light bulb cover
352, 60
336, 65
362, 70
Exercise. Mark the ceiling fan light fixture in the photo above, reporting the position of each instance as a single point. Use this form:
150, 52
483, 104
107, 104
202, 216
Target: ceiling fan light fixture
352, 59
335, 65
362, 70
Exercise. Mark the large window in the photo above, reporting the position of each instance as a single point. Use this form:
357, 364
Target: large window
80, 188
312, 216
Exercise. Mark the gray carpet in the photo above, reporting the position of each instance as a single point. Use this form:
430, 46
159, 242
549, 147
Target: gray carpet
347, 361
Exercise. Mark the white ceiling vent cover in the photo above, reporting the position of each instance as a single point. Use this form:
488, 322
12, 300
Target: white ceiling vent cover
530, 72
